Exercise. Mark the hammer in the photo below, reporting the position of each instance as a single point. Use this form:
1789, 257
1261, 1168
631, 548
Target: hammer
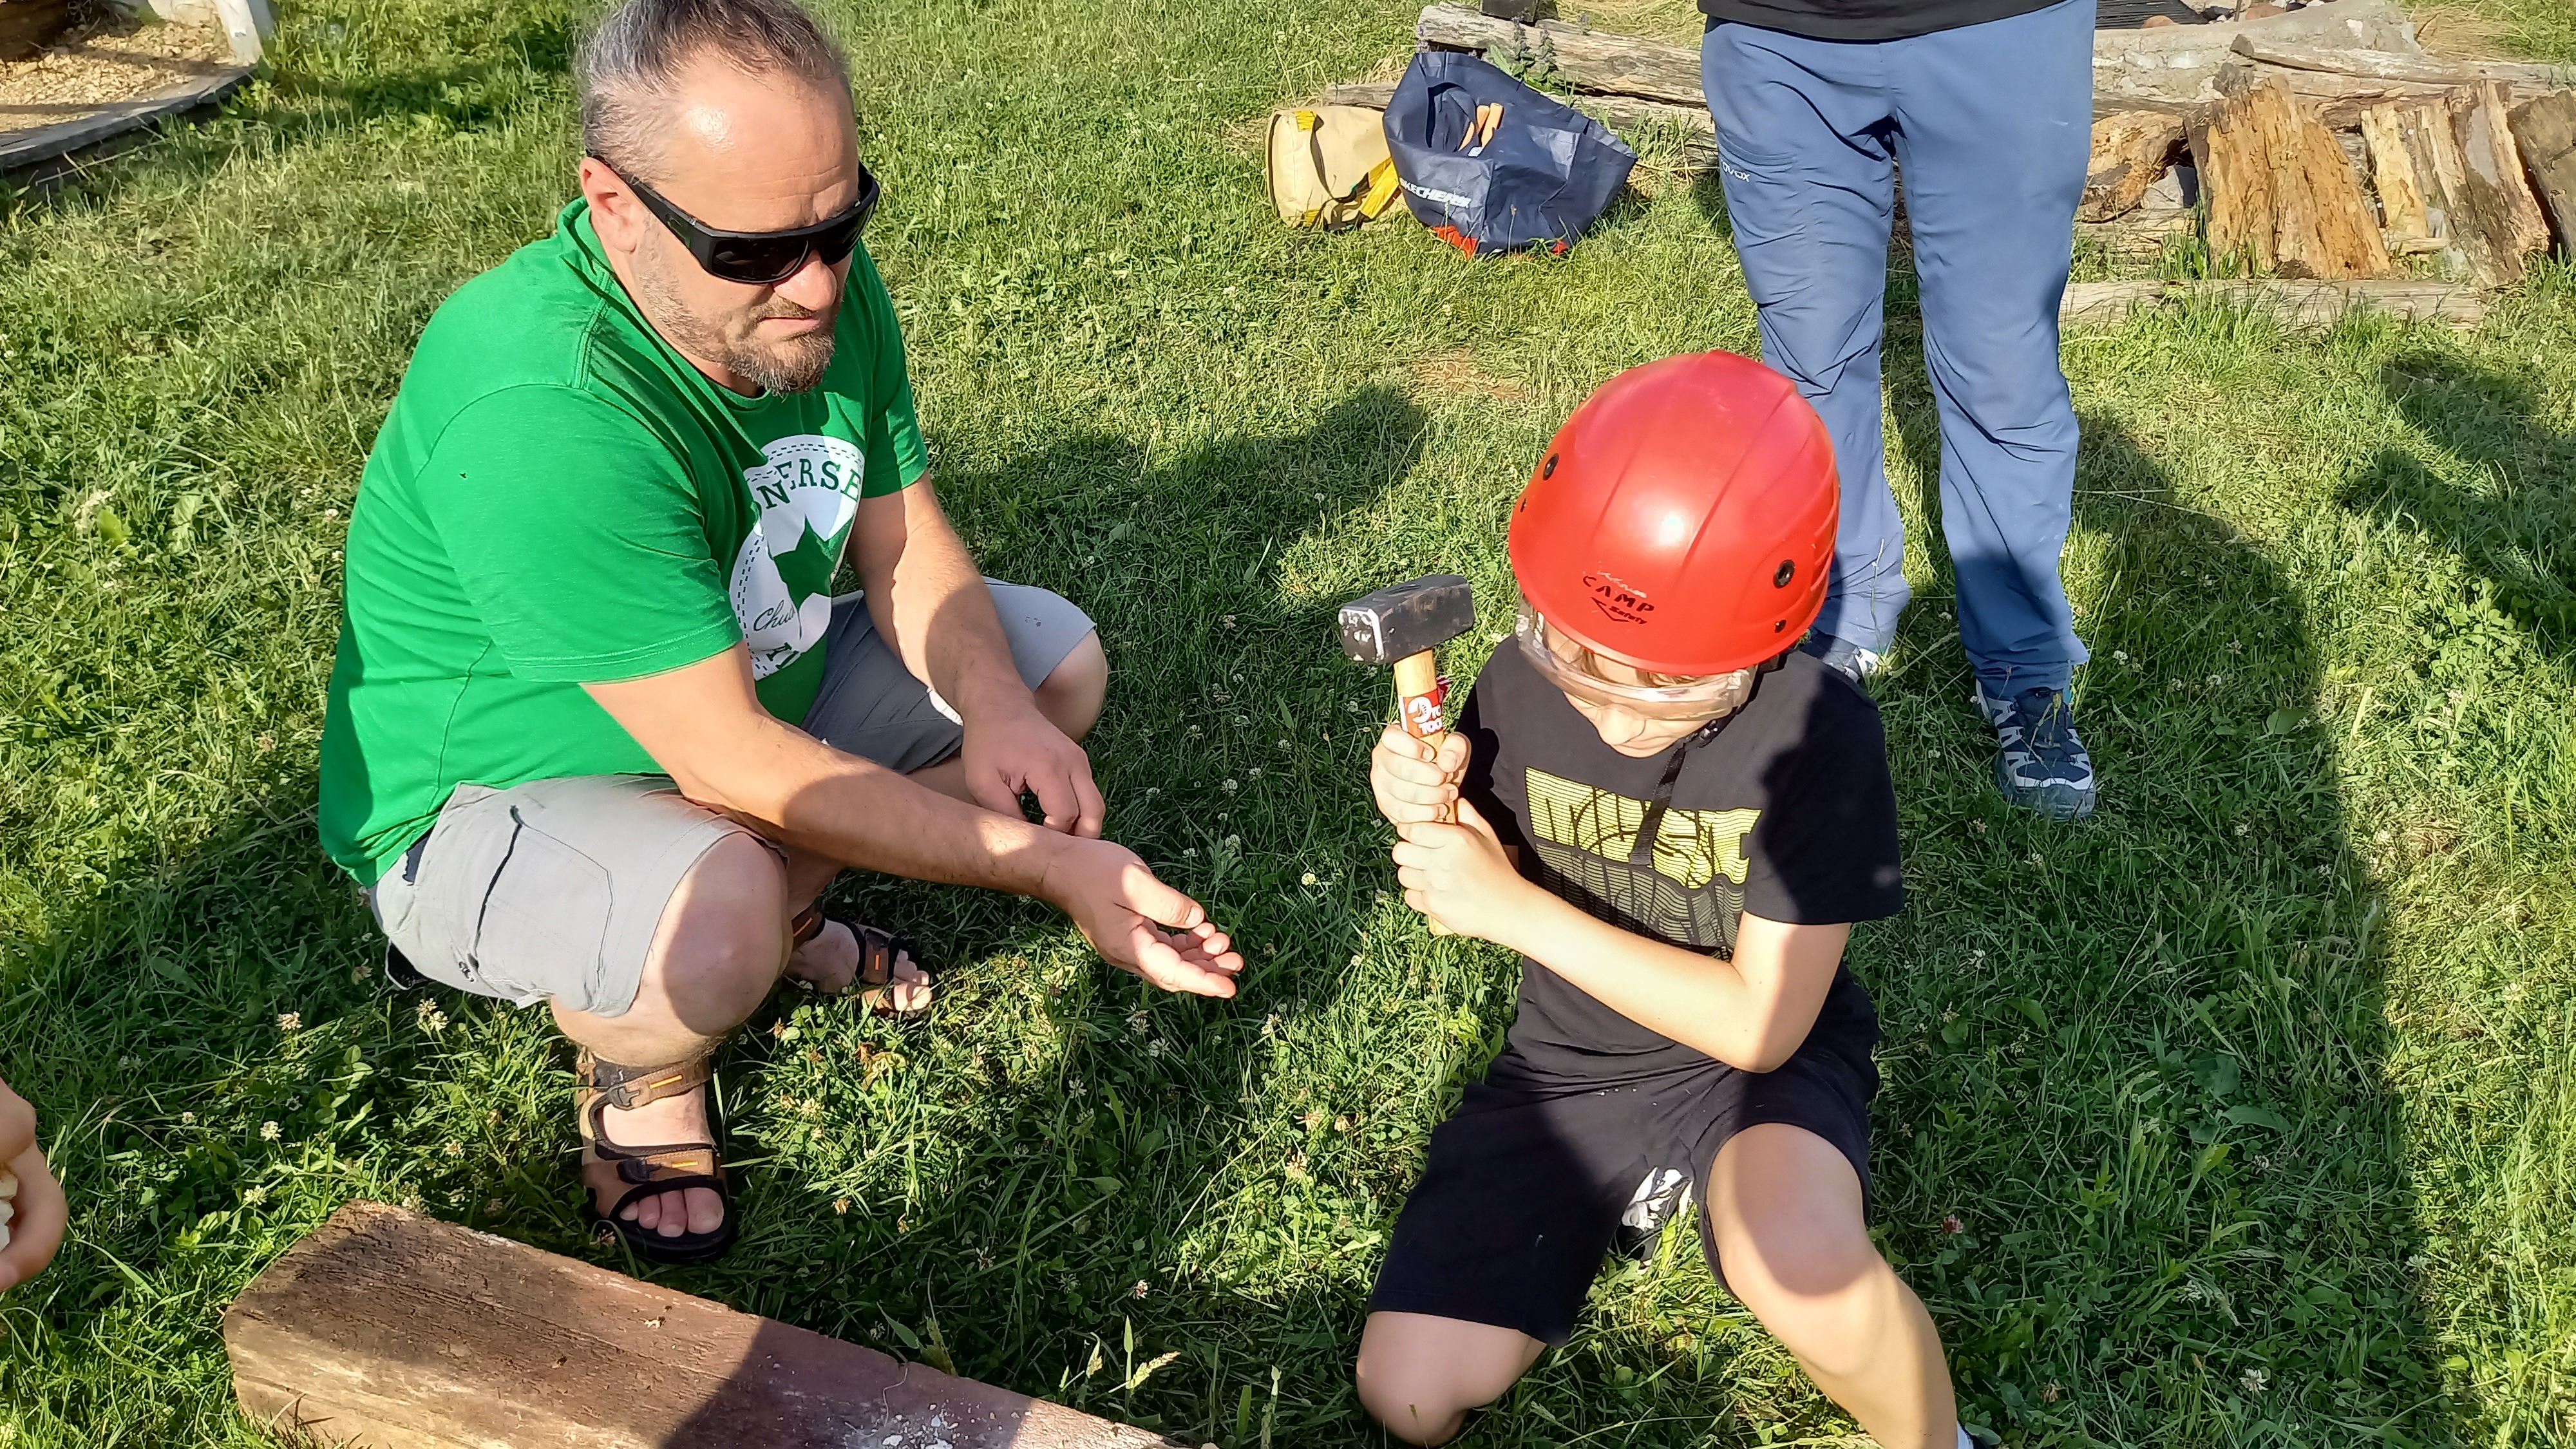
1401, 625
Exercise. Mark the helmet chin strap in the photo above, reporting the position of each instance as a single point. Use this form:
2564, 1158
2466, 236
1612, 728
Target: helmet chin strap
1642, 853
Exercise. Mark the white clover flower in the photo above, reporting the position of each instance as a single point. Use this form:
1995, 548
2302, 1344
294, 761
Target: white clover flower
1229, 787
2252, 1381
290, 1021
187, 1119
2121, 655
1142, 1288
254, 1196
1227, 620
2242, 827
1254, 773
1194, 732
1190, 852
1283, 744
268, 1132
1307, 879
2216, 680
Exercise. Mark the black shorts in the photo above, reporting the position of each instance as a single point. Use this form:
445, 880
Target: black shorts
1531, 1178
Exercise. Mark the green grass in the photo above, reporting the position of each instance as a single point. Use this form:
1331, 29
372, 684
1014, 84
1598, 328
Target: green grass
2255, 1097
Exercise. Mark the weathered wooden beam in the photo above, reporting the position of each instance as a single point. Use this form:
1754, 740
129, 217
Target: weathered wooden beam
1620, 113
2175, 67
20, 149
2130, 150
1586, 59
389, 1330
2388, 65
2281, 192
2544, 131
2296, 304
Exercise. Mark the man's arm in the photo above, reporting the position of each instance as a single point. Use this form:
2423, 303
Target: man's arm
1750, 1012
930, 601
704, 724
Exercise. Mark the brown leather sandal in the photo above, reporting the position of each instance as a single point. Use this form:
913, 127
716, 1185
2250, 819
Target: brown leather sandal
647, 1171
878, 948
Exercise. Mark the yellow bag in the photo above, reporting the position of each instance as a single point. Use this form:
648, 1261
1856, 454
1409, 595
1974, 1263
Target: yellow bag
1328, 166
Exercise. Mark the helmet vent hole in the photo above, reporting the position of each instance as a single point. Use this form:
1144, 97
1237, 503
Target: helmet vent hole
1779, 625
1549, 469
1788, 570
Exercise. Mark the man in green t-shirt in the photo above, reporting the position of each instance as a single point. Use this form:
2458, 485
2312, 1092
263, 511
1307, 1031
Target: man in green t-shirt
599, 732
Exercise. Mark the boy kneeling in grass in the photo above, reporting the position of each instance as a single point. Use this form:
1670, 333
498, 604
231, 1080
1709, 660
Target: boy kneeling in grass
1674, 817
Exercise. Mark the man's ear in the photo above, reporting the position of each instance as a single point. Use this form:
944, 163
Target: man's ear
615, 211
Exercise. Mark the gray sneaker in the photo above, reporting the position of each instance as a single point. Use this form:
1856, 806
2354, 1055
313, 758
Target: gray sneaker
2040, 762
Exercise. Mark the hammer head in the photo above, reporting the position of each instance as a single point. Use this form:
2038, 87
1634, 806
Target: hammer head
1407, 618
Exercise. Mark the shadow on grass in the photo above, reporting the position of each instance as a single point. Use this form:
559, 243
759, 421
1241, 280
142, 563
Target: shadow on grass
2511, 520
2165, 1026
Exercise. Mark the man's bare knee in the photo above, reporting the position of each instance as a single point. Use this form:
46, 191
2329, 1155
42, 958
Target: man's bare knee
1071, 696
722, 939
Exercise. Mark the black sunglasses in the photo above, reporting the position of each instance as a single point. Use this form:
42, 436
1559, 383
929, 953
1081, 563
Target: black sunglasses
762, 258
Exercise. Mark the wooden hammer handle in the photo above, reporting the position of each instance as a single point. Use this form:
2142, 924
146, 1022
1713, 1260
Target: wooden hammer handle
1418, 704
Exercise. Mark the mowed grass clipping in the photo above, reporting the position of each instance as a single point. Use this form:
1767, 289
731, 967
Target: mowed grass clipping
2239, 1115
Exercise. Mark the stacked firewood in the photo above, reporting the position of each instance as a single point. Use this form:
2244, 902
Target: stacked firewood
2331, 163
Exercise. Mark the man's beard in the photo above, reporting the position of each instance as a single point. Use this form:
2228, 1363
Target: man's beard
795, 364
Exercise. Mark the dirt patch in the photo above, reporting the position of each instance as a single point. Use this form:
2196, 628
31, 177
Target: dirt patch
97, 64
1449, 374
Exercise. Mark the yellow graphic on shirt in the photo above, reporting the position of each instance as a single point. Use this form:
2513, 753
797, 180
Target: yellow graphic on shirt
1586, 838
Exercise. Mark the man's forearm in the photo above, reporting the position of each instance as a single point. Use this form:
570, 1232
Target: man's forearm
930, 599
859, 813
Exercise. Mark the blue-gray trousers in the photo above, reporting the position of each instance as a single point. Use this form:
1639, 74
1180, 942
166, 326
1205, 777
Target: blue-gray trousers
1992, 126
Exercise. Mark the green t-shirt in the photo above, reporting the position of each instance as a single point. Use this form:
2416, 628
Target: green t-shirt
557, 497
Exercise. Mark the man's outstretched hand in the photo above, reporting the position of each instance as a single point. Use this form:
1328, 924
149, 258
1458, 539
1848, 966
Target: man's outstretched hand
38, 1212
1137, 923
1023, 750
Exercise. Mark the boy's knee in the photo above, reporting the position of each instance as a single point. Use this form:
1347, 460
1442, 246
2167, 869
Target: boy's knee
1420, 1375
1826, 1304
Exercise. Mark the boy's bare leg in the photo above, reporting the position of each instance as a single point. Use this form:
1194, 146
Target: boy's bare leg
1785, 1208
1420, 1374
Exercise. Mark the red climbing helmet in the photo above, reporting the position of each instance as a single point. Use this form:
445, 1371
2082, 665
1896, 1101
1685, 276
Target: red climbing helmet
1682, 522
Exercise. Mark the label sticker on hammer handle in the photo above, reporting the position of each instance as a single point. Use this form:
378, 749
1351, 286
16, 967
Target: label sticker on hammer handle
1422, 718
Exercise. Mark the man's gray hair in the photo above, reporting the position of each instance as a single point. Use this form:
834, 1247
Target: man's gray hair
628, 68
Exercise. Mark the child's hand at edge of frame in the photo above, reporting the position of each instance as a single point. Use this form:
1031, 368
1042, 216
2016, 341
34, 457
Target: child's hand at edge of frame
39, 1212
1459, 877
1410, 783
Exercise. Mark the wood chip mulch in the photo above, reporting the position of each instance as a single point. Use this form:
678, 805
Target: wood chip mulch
98, 64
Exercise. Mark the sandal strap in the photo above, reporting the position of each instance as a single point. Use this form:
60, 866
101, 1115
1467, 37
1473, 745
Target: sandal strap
807, 925
664, 1163
627, 1088
877, 950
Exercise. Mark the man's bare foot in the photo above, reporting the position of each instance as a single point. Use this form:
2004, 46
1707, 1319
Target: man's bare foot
830, 964
673, 1119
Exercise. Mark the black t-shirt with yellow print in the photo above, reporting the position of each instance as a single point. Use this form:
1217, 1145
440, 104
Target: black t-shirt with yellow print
1784, 809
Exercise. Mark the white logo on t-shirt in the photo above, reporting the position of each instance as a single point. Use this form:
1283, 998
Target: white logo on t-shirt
807, 490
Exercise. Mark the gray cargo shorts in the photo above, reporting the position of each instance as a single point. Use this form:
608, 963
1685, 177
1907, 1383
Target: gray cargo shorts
552, 890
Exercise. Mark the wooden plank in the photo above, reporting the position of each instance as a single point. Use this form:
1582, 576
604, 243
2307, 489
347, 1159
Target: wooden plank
2544, 131
1586, 59
2281, 193
26, 148
389, 1330
2431, 70
2176, 67
2297, 304
2130, 150
1626, 114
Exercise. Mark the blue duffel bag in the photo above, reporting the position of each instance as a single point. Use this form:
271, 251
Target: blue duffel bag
1491, 165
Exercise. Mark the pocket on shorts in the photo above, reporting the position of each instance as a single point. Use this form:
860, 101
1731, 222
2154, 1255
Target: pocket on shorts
544, 917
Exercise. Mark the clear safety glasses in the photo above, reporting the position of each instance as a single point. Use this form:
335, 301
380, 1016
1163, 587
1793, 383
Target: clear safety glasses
1576, 669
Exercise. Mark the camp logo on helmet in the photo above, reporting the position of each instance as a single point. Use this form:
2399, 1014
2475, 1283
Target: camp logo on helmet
1622, 603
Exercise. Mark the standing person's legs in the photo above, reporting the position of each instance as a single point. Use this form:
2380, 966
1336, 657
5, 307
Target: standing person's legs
1994, 126
1784, 1214
1810, 192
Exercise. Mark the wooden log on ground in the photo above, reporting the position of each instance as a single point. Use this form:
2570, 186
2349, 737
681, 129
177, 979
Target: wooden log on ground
2387, 65
1620, 113
1586, 59
2281, 194
2544, 131
2296, 304
2130, 150
28, 26
2175, 68
389, 1330
2336, 101
2457, 152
